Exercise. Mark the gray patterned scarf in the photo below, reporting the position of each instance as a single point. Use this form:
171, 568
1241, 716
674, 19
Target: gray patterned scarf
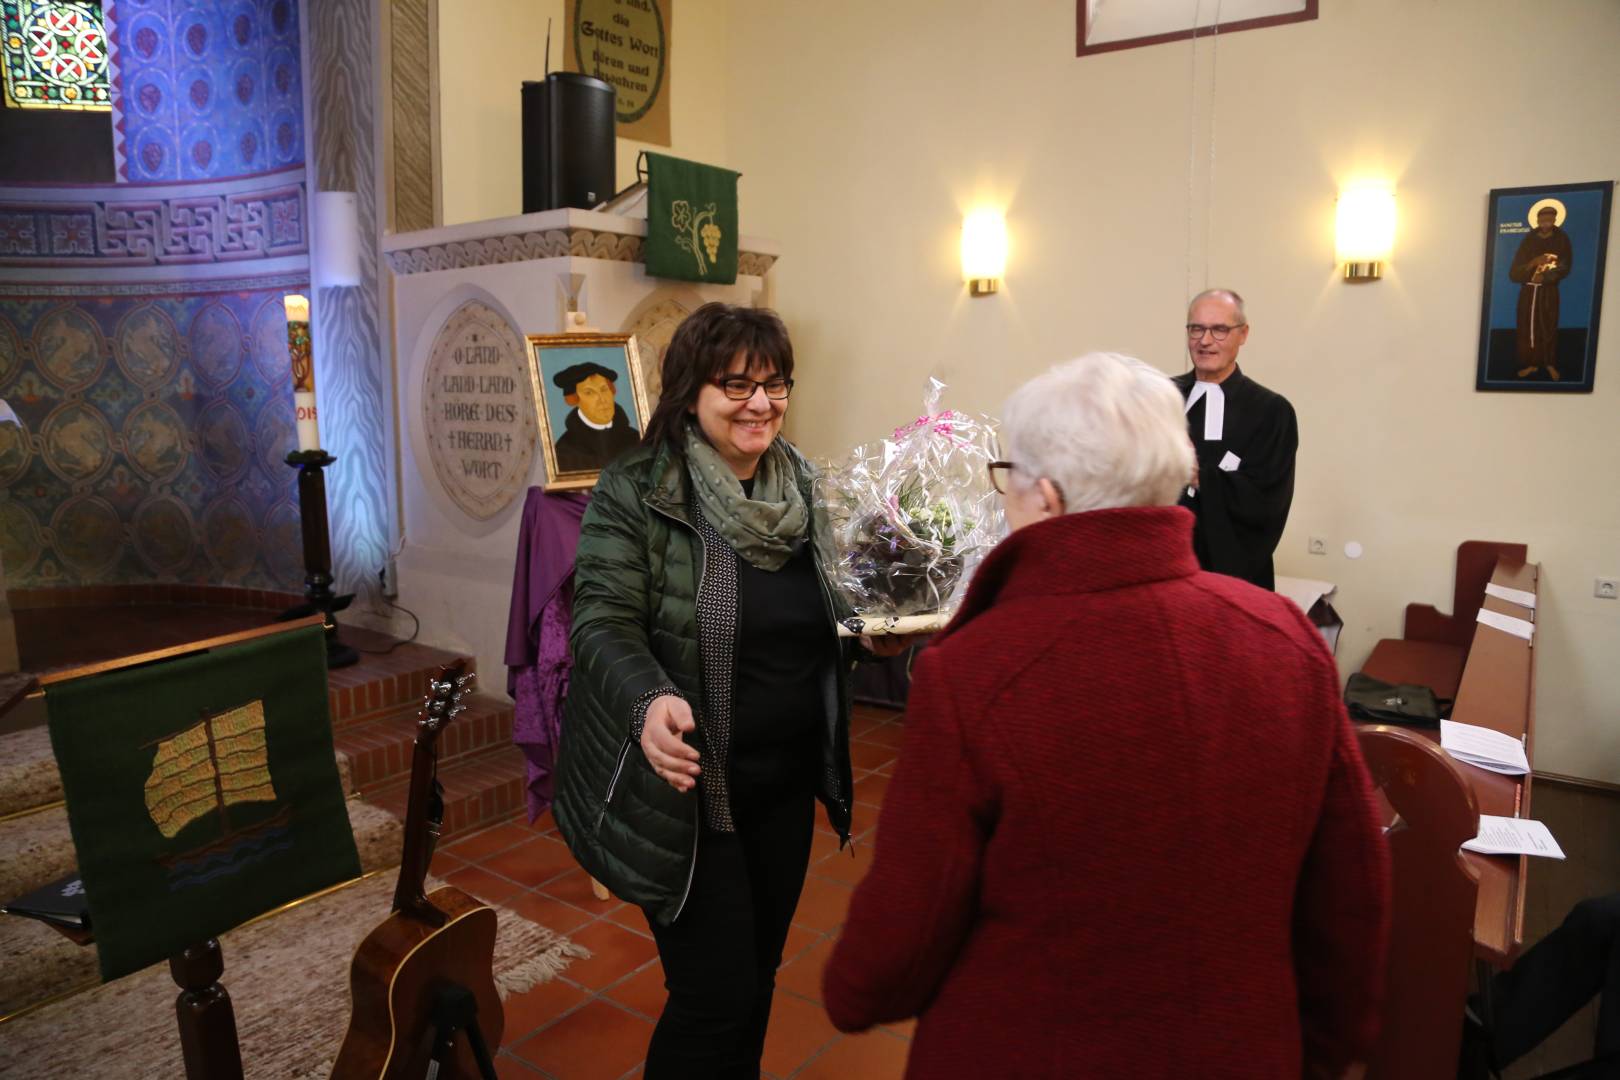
765, 529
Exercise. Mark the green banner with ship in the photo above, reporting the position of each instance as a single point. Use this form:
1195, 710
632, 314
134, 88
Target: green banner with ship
201, 791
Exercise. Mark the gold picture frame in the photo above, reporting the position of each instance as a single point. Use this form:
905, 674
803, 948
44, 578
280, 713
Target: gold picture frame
576, 446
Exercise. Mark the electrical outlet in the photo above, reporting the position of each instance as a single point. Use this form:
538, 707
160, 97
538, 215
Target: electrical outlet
1316, 545
388, 577
1606, 588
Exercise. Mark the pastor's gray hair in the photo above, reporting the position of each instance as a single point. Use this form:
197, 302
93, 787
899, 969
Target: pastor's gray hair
1224, 294
1107, 429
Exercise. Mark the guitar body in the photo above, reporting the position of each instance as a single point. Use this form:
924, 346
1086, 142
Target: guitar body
429, 965
392, 980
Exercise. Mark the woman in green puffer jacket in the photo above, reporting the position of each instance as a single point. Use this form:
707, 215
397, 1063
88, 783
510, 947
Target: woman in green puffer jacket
708, 708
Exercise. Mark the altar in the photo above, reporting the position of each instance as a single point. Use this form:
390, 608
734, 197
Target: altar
464, 299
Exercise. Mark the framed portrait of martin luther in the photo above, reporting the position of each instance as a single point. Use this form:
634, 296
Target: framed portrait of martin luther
1545, 249
591, 395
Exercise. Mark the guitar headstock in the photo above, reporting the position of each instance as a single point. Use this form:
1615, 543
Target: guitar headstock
443, 701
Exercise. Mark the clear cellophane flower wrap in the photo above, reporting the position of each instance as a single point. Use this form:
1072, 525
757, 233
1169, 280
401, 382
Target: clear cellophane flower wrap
910, 517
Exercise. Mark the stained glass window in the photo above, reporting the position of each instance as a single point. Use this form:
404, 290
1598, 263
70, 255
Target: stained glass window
55, 54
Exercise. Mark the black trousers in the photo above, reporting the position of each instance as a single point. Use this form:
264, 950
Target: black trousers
720, 956
1559, 974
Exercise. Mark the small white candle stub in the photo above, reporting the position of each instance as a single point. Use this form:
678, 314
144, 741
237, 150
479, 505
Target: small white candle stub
302, 356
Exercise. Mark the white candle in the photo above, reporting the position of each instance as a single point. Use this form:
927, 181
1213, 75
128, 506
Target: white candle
301, 352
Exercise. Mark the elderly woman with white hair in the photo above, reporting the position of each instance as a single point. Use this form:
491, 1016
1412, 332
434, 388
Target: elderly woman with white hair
1130, 833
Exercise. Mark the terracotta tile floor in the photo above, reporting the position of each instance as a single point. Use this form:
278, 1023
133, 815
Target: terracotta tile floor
593, 1021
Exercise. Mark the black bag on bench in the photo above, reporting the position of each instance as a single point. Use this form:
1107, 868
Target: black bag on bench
1380, 702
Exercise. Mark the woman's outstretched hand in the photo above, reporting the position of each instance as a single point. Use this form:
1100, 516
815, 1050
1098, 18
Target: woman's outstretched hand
676, 763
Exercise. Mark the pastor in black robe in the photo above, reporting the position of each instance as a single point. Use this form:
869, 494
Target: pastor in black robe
1241, 512
1535, 336
583, 448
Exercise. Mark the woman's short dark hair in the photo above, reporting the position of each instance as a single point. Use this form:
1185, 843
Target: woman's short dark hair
704, 345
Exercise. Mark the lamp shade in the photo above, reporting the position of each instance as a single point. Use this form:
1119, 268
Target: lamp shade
336, 238
1364, 233
984, 249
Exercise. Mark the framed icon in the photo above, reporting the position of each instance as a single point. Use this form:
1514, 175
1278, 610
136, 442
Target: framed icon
1544, 257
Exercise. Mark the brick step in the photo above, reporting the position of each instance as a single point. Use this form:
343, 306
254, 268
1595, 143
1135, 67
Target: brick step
379, 749
381, 684
480, 789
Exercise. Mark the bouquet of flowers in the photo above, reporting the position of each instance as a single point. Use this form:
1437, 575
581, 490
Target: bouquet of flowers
909, 519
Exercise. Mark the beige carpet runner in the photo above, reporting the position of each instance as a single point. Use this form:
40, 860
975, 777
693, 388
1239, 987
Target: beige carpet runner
37, 963
288, 977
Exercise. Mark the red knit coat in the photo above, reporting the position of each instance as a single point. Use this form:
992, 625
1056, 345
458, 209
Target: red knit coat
1130, 832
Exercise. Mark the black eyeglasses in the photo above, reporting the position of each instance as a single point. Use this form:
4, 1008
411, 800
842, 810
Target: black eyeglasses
740, 388
1196, 331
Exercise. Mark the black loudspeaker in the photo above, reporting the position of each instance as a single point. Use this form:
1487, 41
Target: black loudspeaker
568, 142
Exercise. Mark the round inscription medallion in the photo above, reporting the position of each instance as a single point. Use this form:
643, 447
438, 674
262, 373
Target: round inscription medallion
163, 533
70, 348
88, 533
624, 45
148, 346
155, 441
222, 440
10, 351
267, 343
478, 410
216, 344
20, 542
78, 443
15, 452
229, 536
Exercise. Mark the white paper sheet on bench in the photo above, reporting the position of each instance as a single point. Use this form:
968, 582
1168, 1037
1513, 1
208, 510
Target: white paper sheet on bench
1517, 627
1512, 596
1513, 836
1483, 748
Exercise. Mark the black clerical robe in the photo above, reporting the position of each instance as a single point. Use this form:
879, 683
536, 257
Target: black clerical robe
582, 448
1241, 511
1536, 331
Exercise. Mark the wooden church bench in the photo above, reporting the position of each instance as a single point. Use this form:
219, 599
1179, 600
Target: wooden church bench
1452, 906
1433, 648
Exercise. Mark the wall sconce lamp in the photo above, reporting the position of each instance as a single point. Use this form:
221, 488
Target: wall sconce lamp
1365, 231
984, 251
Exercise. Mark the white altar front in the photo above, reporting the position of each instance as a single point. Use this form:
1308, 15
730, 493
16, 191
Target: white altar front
455, 566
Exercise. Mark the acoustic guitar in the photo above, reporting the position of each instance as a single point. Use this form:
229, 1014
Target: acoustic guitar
425, 1004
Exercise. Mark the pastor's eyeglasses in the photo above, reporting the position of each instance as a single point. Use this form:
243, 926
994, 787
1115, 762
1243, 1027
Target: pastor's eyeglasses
1196, 331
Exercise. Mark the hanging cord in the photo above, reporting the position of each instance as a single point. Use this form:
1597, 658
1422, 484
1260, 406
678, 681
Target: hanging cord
1209, 208
1192, 141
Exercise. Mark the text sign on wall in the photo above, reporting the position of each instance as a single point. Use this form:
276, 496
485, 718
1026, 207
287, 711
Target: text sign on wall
478, 410
625, 43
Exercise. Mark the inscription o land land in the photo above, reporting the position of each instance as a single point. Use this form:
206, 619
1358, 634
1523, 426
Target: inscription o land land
478, 410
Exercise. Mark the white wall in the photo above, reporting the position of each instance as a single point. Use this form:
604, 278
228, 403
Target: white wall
864, 130
487, 48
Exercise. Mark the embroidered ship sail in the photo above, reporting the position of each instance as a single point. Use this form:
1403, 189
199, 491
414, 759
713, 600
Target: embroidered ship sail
217, 763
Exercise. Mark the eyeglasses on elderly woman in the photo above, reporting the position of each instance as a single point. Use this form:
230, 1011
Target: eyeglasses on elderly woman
999, 471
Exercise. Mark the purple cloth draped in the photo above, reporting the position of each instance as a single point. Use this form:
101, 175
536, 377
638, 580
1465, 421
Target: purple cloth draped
537, 660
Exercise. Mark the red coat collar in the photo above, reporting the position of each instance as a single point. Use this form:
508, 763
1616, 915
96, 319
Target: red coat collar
1082, 553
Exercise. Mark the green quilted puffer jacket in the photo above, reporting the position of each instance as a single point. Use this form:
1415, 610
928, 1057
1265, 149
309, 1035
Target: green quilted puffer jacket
637, 580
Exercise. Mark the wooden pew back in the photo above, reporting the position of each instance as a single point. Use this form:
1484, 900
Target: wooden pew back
1476, 561
1432, 929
